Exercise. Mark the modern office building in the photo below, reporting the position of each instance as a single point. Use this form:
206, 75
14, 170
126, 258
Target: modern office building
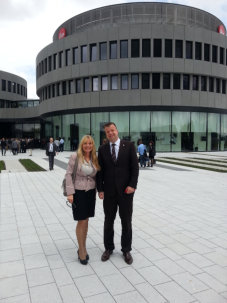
158, 70
19, 117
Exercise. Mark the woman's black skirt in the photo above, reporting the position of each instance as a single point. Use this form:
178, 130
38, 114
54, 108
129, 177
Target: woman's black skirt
83, 206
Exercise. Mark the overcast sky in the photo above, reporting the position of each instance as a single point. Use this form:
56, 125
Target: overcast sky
27, 26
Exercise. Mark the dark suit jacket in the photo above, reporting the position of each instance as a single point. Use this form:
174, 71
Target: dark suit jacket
115, 177
54, 148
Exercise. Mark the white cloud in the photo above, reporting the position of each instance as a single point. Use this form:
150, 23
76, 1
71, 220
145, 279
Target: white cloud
28, 26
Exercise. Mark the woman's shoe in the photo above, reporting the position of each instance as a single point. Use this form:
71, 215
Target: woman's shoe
85, 261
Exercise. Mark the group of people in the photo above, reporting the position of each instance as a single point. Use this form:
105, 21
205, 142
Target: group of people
114, 174
16, 145
144, 158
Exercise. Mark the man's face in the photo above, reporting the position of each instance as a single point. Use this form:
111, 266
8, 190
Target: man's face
51, 140
111, 133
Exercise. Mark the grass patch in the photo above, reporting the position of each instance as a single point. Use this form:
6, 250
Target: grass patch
198, 161
192, 165
29, 165
2, 166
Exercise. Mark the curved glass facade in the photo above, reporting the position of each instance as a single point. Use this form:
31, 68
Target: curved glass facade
174, 131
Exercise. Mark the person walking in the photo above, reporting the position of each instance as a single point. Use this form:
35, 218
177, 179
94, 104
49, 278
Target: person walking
61, 145
152, 153
82, 194
142, 153
3, 146
116, 184
51, 149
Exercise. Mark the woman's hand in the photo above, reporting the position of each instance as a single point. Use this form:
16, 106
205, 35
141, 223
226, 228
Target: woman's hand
70, 199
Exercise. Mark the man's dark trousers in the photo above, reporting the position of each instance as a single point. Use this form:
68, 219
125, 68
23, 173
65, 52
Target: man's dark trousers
125, 204
51, 160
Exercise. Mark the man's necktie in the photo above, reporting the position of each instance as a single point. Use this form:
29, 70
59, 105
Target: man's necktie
113, 153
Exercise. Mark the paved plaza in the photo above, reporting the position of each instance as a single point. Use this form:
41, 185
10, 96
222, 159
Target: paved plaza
179, 239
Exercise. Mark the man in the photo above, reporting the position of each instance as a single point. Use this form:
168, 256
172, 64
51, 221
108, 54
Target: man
142, 153
116, 184
3, 146
51, 152
61, 145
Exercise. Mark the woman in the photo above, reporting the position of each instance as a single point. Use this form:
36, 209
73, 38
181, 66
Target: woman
82, 194
152, 153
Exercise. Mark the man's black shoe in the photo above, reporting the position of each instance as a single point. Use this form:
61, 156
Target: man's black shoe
128, 258
106, 255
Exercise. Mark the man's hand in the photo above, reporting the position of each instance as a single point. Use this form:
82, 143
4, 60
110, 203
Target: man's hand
101, 195
70, 199
129, 190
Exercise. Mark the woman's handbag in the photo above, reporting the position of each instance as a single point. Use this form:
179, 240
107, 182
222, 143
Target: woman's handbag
73, 178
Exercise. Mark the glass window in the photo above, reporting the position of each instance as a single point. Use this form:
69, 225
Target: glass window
186, 82
189, 50
195, 82
95, 84
124, 48
168, 48
145, 81
217, 85
121, 119
49, 92
113, 49
75, 55
9, 86
60, 56
55, 61
135, 81
97, 122
223, 86
135, 48
4, 85
71, 87
104, 83
13, 87
211, 84
157, 47
213, 131
180, 130
67, 57
203, 83
214, 53
140, 126
198, 128
146, 47
93, 52
78, 86
161, 129
84, 53
179, 49
103, 51
49, 63
86, 85
64, 88
114, 82
198, 51
45, 65
83, 124
221, 55
68, 131
53, 90
124, 81
58, 89
207, 52
166, 81
176, 81
155, 80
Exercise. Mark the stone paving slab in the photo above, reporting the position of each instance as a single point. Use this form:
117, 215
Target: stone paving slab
179, 240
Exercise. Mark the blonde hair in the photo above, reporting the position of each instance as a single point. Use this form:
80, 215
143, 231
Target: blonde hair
80, 152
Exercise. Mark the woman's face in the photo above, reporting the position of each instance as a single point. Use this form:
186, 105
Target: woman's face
87, 146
